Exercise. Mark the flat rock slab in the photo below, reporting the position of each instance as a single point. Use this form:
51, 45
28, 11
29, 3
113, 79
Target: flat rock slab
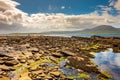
4, 55
6, 68
57, 54
67, 53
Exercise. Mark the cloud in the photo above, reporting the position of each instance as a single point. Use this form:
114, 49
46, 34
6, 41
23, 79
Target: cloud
14, 18
62, 7
115, 4
9, 13
105, 8
63, 21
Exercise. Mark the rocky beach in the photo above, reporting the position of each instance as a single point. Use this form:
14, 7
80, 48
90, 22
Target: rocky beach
53, 57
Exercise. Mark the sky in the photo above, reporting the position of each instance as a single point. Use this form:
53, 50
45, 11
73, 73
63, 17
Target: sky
48, 15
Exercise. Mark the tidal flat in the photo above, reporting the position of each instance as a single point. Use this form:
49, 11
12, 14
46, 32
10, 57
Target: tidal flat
54, 57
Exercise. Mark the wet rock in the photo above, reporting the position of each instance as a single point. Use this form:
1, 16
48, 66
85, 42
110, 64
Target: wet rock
83, 64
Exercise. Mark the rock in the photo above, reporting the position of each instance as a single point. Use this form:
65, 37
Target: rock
56, 54
67, 53
25, 77
33, 68
4, 78
38, 72
27, 53
26, 45
83, 64
11, 63
42, 75
22, 60
48, 77
1, 71
37, 56
6, 68
1, 61
33, 49
53, 59
56, 73
30, 61
4, 55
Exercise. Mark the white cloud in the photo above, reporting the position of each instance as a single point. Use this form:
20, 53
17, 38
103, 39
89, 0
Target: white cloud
63, 21
105, 8
115, 4
62, 7
9, 14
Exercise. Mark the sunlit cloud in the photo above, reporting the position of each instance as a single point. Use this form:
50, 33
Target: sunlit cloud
115, 4
9, 13
38, 22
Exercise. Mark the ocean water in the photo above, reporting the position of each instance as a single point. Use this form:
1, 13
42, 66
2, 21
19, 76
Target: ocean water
84, 35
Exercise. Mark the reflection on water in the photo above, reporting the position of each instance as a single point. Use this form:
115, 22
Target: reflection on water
110, 62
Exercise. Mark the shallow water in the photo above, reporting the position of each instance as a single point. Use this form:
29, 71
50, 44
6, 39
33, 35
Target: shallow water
109, 62
83, 35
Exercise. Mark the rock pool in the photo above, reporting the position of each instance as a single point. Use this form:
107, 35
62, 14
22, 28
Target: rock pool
109, 62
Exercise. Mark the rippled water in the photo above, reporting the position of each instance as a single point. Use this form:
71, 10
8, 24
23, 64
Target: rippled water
110, 62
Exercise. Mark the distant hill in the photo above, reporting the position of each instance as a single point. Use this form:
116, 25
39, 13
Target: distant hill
102, 29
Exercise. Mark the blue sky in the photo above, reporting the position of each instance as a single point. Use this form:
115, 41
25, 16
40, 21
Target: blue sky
54, 6
48, 15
